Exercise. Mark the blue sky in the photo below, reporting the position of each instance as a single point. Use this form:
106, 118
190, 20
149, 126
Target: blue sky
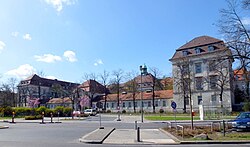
67, 38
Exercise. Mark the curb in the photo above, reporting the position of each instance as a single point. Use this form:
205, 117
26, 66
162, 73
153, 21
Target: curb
170, 135
99, 137
216, 142
205, 142
4, 127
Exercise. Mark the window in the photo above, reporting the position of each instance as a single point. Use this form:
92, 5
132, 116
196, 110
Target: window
123, 104
197, 67
129, 104
164, 103
186, 99
112, 105
149, 103
199, 100
107, 105
213, 99
184, 53
212, 65
198, 83
156, 104
136, 105
211, 48
198, 50
213, 82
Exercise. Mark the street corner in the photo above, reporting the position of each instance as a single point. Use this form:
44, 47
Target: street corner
143, 136
97, 136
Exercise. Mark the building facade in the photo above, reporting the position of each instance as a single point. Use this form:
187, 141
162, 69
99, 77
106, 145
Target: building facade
35, 91
202, 73
163, 100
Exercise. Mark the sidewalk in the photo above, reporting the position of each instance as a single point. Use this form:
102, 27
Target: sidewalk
147, 136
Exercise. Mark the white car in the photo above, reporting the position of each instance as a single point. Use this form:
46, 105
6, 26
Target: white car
90, 112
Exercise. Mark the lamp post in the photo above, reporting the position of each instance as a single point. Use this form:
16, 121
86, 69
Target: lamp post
143, 69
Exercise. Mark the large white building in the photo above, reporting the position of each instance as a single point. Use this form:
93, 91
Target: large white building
202, 71
163, 100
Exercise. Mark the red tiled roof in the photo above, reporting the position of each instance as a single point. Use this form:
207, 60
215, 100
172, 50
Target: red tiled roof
161, 94
240, 74
203, 42
59, 100
167, 80
92, 85
200, 41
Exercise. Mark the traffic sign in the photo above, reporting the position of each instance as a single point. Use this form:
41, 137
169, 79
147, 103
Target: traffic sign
173, 105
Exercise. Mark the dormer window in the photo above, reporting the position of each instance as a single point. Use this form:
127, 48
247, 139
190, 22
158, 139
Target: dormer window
211, 48
184, 53
198, 50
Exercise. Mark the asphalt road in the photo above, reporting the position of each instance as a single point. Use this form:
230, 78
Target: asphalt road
66, 134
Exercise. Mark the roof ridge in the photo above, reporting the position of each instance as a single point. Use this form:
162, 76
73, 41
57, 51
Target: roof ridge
200, 41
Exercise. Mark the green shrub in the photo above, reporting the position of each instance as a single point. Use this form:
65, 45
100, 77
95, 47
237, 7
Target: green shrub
123, 111
33, 117
48, 111
1, 111
23, 111
108, 111
59, 109
41, 109
246, 106
161, 111
8, 111
67, 111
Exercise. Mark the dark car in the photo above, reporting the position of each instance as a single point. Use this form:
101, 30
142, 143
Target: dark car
242, 122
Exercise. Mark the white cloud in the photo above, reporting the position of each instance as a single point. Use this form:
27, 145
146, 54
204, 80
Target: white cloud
98, 62
49, 58
22, 71
70, 56
27, 37
2, 45
246, 20
58, 4
14, 34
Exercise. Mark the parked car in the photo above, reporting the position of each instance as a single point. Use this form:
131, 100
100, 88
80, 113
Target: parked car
242, 122
90, 112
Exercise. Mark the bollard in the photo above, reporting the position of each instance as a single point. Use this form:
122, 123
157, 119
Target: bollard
58, 113
138, 134
135, 125
224, 131
42, 118
13, 117
51, 117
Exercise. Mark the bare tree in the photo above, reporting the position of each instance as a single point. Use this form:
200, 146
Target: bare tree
183, 84
155, 83
91, 88
5, 94
41, 73
104, 80
237, 34
12, 82
246, 4
57, 89
221, 78
132, 85
118, 76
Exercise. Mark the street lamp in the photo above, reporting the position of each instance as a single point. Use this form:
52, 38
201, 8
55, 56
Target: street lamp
143, 69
